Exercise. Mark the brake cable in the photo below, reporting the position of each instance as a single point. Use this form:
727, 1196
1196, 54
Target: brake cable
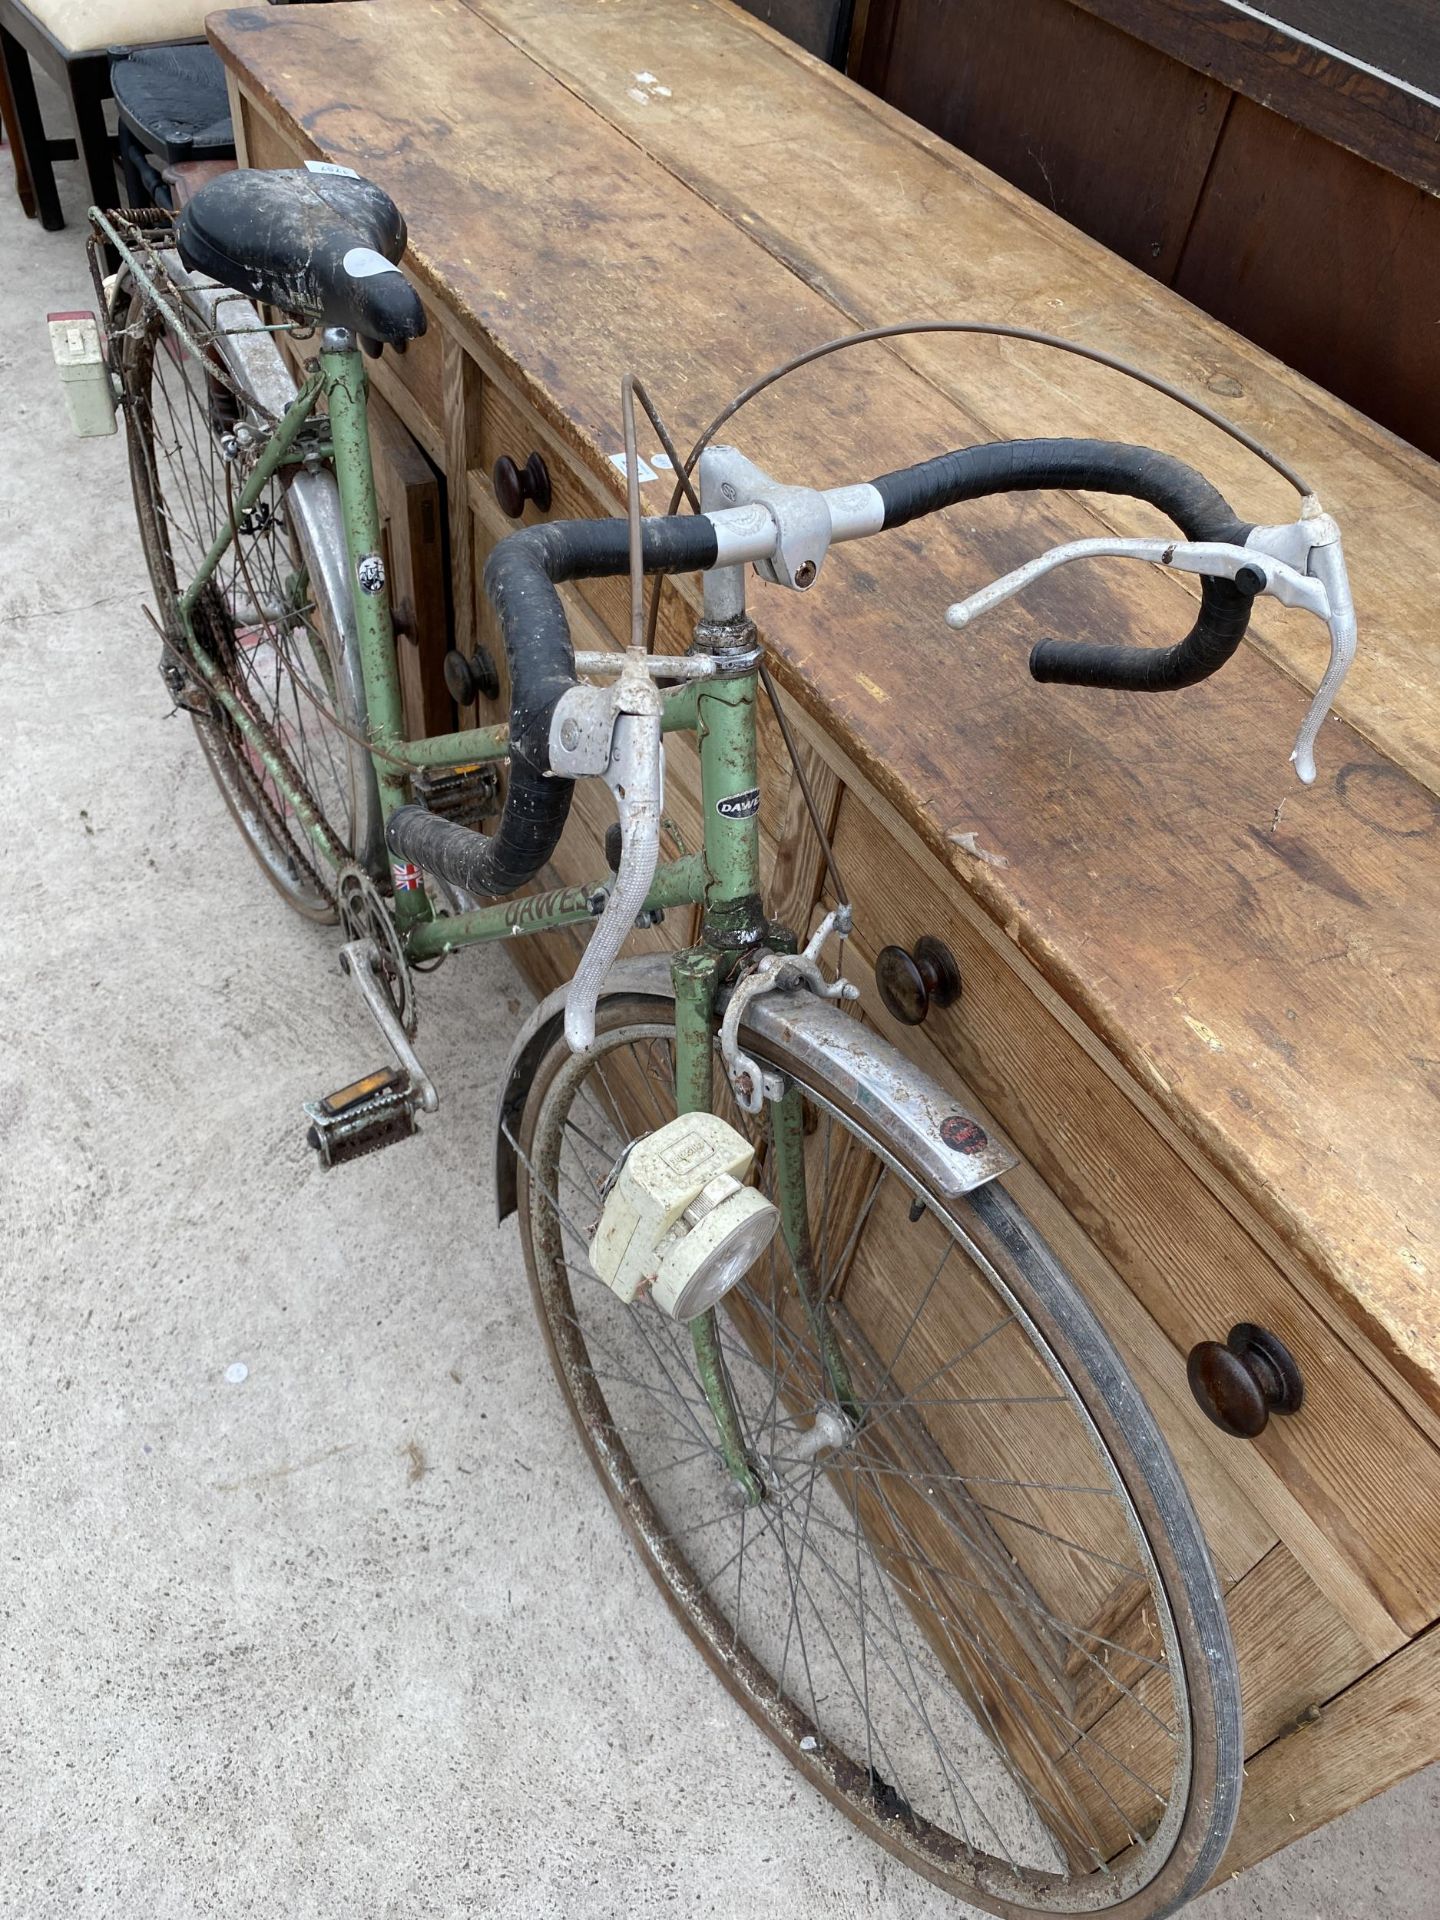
1001, 330
684, 489
631, 390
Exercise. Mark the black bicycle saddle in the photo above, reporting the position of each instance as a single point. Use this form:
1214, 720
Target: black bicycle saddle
317, 242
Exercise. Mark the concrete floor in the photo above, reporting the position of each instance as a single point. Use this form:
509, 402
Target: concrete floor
357, 1633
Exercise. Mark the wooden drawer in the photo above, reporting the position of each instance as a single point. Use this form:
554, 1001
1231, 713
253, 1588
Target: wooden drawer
507, 426
1350, 1484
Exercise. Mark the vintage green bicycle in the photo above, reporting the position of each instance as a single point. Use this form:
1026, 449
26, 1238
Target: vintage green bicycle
878, 1452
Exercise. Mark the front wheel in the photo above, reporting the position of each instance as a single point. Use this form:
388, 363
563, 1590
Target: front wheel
976, 1607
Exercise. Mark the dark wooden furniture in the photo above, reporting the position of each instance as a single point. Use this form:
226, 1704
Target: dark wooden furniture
1200, 1000
84, 79
1278, 166
172, 112
9, 128
822, 27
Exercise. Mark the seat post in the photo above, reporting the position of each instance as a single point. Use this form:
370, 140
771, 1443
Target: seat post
346, 384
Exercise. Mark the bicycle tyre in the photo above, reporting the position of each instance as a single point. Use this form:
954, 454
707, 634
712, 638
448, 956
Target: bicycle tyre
1134, 1874
292, 659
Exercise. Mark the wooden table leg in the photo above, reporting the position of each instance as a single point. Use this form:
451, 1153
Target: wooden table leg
9, 123
27, 136
88, 81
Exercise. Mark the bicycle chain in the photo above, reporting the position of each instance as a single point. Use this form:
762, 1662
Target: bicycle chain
322, 885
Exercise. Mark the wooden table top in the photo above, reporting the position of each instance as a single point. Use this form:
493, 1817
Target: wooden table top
598, 185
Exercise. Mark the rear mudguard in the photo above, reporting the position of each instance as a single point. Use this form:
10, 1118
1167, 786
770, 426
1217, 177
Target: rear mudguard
911, 1112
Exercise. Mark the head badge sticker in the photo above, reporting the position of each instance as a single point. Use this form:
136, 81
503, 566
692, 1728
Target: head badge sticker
739, 806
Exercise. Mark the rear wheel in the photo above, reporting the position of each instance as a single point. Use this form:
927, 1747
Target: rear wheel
273, 615
981, 1617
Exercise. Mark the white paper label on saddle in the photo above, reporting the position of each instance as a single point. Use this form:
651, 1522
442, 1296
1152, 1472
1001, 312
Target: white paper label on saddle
362, 263
328, 166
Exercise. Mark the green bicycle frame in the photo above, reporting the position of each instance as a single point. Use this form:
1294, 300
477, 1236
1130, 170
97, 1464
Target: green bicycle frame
723, 877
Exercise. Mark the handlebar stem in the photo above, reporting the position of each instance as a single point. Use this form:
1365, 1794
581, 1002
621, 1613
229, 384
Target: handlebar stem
785, 531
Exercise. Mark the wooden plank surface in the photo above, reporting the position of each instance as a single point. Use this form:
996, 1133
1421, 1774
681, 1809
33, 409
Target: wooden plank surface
891, 222
1269, 978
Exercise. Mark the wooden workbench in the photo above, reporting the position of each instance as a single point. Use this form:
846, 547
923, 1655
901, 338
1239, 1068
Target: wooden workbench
1204, 1002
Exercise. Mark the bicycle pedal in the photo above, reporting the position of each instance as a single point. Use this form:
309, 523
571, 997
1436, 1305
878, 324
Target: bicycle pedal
467, 795
375, 1111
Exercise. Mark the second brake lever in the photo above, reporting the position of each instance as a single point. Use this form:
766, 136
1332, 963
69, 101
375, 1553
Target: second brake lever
1300, 565
614, 732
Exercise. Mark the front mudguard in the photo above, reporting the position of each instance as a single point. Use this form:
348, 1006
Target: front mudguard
912, 1113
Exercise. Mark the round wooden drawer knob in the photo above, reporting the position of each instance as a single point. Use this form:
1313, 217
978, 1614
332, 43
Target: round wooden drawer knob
1240, 1384
515, 485
912, 983
471, 679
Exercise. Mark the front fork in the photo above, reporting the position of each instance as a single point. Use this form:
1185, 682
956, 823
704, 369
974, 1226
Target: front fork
696, 977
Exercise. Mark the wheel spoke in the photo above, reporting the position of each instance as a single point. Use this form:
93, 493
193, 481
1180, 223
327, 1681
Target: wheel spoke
185, 492
955, 1590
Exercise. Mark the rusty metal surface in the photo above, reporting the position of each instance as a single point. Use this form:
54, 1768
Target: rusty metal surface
909, 1108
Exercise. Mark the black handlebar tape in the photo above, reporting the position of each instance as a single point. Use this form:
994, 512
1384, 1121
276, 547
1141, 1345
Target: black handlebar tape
521, 577
1097, 466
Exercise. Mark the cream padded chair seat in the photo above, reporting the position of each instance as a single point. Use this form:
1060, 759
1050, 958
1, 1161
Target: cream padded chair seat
85, 26
71, 40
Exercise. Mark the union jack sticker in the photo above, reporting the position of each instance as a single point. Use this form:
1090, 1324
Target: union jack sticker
406, 876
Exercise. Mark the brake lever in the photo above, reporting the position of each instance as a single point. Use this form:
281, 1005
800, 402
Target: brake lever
614, 732
1300, 565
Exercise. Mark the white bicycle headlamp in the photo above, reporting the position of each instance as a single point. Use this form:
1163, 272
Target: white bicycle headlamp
679, 1220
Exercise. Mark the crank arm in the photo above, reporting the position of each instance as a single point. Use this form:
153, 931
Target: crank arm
360, 959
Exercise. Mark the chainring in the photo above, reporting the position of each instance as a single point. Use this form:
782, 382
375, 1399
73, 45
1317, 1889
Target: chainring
365, 916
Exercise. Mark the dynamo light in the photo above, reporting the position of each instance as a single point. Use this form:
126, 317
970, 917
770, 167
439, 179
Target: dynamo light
678, 1219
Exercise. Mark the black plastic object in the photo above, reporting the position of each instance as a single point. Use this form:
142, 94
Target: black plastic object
521, 577
1240, 1384
515, 485
319, 245
911, 984
1097, 466
173, 100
